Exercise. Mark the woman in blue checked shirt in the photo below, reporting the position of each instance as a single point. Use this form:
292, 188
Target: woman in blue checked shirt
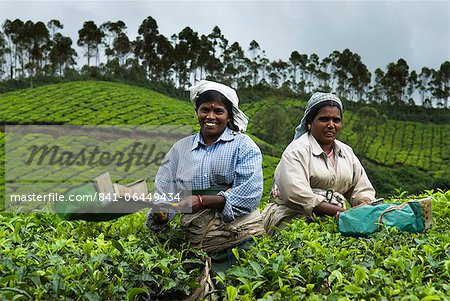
223, 168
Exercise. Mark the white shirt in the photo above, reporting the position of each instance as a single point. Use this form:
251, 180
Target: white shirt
304, 166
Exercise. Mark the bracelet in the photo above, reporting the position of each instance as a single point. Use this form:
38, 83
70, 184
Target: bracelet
200, 200
336, 216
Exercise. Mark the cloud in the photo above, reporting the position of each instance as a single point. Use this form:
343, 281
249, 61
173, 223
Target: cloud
381, 32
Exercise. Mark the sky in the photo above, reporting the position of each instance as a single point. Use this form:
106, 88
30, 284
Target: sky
381, 32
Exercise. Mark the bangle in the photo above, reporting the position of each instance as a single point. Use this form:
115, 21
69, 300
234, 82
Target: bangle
336, 216
200, 200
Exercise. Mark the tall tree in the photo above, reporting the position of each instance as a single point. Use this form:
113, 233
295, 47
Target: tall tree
187, 45
264, 62
235, 66
2, 54
412, 85
312, 67
424, 79
122, 48
395, 81
90, 37
54, 25
323, 74
298, 63
360, 79
146, 45
278, 73
180, 58
219, 43
352, 75
440, 84
111, 31
165, 61
378, 93
207, 63
254, 63
13, 31
37, 38
62, 55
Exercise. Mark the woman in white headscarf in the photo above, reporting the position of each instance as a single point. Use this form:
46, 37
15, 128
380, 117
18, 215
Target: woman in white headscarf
317, 172
219, 173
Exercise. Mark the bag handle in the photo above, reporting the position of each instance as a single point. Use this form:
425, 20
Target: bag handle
399, 207
387, 210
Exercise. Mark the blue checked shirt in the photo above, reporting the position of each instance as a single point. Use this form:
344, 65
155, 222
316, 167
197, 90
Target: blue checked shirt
233, 160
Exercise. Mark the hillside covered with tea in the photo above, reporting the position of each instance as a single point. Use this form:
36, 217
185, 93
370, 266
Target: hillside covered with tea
45, 258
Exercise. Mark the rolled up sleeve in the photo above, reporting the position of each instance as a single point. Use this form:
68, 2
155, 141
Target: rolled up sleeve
165, 184
292, 178
246, 191
363, 190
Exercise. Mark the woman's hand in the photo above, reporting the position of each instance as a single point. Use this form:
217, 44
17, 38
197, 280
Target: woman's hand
160, 218
196, 203
191, 204
361, 202
326, 208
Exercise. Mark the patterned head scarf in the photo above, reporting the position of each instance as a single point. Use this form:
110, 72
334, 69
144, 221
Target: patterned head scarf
239, 118
316, 98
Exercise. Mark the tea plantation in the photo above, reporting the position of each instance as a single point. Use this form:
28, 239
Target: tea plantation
45, 258
405, 155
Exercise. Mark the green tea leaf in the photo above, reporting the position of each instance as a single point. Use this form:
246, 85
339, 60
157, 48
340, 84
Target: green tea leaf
118, 246
431, 298
133, 292
16, 290
353, 289
231, 293
335, 275
8, 278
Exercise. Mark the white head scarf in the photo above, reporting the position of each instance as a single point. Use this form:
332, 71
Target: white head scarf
239, 118
315, 99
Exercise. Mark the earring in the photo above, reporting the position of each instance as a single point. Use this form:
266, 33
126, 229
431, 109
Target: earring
309, 127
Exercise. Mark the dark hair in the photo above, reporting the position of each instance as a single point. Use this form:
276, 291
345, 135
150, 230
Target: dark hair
211, 95
316, 108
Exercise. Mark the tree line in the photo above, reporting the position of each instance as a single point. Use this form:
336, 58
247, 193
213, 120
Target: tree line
29, 49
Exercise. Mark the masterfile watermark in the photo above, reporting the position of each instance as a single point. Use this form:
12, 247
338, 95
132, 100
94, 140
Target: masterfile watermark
48, 197
47, 164
139, 155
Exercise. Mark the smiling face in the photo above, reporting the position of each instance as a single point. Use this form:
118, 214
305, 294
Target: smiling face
213, 118
326, 126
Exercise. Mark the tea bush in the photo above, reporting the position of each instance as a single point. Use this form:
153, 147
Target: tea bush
311, 261
45, 258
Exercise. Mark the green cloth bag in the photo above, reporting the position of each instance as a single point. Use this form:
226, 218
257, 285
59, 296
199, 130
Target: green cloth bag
412, 216
87, 210
97, 211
